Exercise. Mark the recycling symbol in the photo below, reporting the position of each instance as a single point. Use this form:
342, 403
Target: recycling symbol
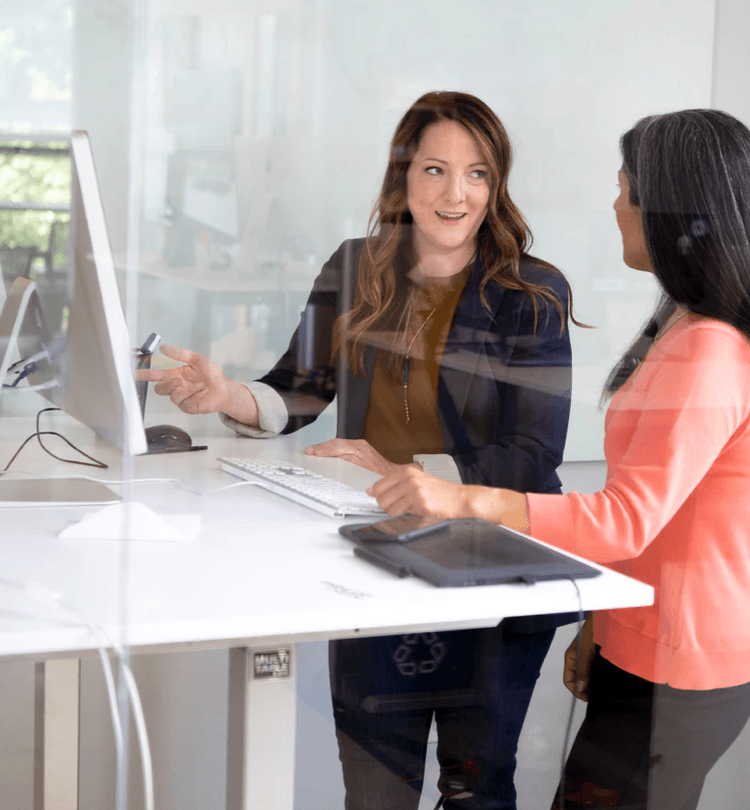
419, 653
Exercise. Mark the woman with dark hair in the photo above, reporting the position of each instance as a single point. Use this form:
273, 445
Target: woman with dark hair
453, 355
668, 686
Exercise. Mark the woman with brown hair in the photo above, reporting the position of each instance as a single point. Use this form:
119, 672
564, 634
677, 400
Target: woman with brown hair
451, 353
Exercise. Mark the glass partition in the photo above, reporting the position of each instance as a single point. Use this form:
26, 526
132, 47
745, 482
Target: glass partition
237, 146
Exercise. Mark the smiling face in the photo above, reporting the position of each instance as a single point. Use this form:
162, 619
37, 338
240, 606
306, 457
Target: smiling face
447, 193
630, 223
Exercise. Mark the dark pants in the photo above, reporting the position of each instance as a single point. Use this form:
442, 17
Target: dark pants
645, 745
477, 684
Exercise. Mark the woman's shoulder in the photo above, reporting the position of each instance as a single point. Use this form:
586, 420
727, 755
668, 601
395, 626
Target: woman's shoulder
356, 244
349, 248
531, 271
697, 335
535, 271
701, 361
345, 259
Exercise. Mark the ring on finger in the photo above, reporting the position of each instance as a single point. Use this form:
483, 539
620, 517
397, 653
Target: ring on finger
357, 453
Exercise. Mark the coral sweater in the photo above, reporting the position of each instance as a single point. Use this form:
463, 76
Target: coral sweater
675, 511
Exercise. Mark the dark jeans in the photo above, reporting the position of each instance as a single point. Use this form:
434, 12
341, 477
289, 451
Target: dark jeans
648, 746
476, 683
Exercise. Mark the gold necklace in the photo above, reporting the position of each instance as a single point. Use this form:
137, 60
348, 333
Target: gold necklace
407, 357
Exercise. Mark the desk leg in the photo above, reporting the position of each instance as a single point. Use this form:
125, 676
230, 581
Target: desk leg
56, 707
261, 728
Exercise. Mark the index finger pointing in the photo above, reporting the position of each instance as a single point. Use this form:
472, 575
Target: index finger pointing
176, 353
155, 374
149, 374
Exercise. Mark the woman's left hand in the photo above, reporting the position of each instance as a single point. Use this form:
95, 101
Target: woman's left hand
357, 451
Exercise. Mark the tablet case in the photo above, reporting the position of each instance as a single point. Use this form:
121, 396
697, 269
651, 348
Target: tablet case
470, 552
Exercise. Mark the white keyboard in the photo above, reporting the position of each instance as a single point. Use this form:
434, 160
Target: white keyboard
303, 486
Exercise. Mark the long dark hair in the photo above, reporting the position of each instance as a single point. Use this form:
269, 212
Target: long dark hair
502, 241
689, 173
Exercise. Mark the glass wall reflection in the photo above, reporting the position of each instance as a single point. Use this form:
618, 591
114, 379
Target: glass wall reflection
260, 132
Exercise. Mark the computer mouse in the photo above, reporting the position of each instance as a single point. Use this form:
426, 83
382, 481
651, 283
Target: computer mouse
167, 438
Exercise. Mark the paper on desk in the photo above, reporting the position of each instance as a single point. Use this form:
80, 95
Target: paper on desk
133, 521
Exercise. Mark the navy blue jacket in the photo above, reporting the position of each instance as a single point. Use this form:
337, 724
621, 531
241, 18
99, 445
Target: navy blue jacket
503, 391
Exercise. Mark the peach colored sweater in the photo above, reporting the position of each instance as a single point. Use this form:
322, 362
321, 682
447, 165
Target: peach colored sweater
675, 511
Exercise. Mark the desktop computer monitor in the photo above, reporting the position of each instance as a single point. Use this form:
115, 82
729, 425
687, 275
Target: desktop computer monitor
97, 385
92, 354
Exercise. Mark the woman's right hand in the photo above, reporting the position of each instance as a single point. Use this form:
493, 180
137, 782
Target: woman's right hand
576, 678
200, 386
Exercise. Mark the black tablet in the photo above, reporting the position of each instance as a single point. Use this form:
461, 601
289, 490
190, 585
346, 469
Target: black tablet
463, 552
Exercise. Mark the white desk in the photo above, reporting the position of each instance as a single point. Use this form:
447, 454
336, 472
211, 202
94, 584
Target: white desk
262, 574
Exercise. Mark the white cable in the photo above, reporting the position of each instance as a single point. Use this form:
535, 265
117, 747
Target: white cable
174, 481
108, 677
111, 696
54, 599
126, 482
140, 726
232, 486
51, 598
135, 702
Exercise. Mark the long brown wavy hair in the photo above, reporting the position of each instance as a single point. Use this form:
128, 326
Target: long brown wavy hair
383, 284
